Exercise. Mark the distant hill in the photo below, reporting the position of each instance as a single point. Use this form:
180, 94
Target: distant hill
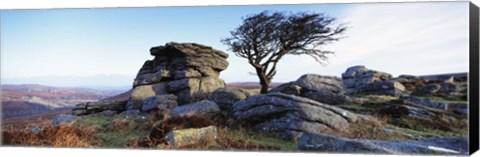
27, 99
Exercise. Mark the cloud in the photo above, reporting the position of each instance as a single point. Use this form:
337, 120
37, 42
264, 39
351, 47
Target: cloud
399, 38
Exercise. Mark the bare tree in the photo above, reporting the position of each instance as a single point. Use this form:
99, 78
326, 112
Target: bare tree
265, 38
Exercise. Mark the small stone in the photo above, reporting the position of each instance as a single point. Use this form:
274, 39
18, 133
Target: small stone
192, 137
63, 119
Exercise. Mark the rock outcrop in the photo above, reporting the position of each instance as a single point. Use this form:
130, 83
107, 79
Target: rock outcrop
159, 102
456, 108
205, 108
312, 142
226, 97
391, 88
98, 107
360, 80
324, 89
359, 75
289, 116
188, 70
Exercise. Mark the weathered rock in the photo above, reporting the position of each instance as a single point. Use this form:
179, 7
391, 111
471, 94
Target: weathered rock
288, 116
312, 142
188, 70
391, 88
327, 97
226, 97
447, 88
318, 83
359, 75
324, 89
315, 142
194, 89
140, 93
192, 137
429, 89
98, 106
162, 102
288, 88
426, 102
63, 119
205, 108
456, 108
410, 82
439, 78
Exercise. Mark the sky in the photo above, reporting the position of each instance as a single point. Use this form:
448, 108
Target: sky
107, 47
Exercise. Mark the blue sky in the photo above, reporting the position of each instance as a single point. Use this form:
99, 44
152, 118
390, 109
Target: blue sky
108, 46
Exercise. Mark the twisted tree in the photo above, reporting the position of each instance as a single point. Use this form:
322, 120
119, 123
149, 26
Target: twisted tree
265, 38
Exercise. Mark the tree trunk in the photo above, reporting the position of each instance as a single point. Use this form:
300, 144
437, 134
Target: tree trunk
264, 81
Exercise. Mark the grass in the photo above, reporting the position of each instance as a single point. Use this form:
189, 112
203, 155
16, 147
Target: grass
117, 131
243, 139
373, 129
438, 127
60, 136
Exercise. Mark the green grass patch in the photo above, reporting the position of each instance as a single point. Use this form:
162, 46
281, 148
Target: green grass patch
116, 131
260, 139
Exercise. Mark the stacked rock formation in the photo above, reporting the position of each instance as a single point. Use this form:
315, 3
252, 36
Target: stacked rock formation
359, 79
190, 71
324, 89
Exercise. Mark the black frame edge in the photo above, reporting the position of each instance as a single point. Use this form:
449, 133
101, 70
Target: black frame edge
473, 81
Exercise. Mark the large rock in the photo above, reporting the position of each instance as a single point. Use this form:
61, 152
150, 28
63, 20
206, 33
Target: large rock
142, 92
324, 143
456, 108
391, 88
159, 102
314, 82
98, 106
289, 116
411, 83
324, 89
226, 97
359, 75
192, 137
188, 70
63, 119
194, 89
429, 89
425, 102
205, 108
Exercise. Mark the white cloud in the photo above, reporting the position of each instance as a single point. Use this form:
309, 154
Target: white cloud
399, 38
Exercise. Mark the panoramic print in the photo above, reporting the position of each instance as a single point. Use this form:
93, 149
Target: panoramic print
374, 78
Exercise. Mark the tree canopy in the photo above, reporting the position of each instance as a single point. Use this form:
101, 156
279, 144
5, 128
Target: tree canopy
265, 38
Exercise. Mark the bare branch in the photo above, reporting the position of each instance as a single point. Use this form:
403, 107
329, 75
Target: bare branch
265, 38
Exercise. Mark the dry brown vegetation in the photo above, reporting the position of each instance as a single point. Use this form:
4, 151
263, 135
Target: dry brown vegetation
60, 136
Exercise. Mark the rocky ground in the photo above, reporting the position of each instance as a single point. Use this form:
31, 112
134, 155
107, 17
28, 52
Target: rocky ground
178, 101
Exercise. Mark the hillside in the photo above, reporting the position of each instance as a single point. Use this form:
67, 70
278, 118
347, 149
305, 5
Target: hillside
20, 100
